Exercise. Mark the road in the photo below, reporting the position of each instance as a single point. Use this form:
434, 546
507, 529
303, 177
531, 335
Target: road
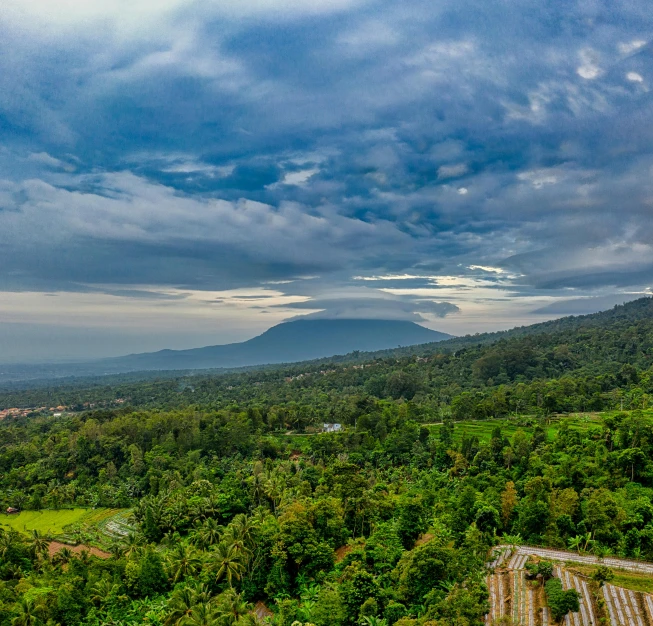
587, 559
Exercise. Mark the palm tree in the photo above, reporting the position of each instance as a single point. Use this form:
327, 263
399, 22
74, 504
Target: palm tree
182, 562
208, 534
180, 605
102, 590
39, 543
27, 613
513, 540
132, 545
227, 564
232, 608
63, 556
374, 621
203, 614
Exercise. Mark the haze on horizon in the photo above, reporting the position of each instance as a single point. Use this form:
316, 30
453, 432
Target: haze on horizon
176, 174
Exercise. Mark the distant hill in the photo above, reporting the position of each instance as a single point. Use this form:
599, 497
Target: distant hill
323, 342
299, 340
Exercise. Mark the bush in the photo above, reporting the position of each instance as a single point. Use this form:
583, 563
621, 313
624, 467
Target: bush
561, 602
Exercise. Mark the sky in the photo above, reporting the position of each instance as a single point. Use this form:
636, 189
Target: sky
177, 173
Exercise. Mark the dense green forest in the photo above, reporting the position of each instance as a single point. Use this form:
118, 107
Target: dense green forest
236, 498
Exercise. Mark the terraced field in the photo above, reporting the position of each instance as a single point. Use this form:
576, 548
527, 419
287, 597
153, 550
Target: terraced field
483, 428
525, 603
99, 526
46, 522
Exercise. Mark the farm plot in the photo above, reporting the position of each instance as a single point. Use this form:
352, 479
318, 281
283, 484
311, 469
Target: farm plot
519, 608
512, 596
626, 607
496, 585
99, 527
46, 522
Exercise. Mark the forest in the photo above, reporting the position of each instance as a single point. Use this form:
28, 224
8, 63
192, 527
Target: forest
240, 511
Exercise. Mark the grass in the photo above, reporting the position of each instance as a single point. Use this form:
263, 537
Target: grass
628, 580
64, 521
509, 426
46, 522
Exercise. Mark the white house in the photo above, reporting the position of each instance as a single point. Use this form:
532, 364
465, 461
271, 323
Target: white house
331, 428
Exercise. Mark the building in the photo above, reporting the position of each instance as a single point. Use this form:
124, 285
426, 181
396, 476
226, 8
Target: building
11, 510
331, 428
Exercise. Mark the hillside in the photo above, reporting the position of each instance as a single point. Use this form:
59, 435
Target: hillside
574, 363
393, 518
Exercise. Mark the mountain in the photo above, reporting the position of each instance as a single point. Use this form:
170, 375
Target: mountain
299, 340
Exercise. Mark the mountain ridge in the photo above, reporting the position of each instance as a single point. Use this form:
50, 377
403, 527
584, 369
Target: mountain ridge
297, 340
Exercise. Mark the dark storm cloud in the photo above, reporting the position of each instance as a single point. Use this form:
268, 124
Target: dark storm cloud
215, 150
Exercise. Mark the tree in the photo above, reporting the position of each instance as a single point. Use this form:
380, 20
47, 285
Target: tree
227, 563
602, 575
40, 543
509, 500
147, 577
183, 561
232, 608
28, 613
423, 567
561, 602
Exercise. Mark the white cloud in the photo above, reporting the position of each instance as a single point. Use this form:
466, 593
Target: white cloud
452, 171
142, 15
298, 178
539, 178
49, 161
634, 77
369, 35
631, 46
487, 268
589, 68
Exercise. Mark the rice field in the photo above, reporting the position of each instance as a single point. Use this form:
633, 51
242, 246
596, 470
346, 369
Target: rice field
509, 426
46, 522
101, 523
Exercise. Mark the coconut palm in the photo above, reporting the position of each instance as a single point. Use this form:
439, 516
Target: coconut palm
204, 614
28, 613
39, 543
184, 600
183, 561
232, 608
132, 545
227, 563
63, 556
102, 590
208, 534
374, 621
180, 605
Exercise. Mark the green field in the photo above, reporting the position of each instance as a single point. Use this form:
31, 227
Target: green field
628, 580
63, 522
46, 522
483, 428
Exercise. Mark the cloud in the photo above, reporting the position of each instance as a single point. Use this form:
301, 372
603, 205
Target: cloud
583, 306
497, 161
452, 171
375, 307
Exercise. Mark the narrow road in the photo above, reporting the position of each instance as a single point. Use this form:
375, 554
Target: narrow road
587, 559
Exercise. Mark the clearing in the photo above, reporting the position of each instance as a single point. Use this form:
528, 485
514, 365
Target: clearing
99, 525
